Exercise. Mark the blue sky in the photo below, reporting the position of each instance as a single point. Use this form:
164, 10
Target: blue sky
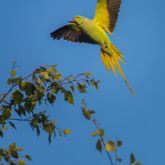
138, 121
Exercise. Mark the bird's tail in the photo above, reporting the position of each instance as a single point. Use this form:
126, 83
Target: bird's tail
111, 62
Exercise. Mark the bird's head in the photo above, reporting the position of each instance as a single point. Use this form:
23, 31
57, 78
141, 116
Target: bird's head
79, 20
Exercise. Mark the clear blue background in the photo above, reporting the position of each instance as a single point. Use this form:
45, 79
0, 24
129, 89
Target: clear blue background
139, 121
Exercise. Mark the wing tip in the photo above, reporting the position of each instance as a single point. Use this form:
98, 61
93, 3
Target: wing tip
53, 35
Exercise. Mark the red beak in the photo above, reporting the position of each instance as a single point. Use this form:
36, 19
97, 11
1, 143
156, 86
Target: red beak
73, 21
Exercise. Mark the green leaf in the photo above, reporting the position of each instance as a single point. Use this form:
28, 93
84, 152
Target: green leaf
12, 147
13, 73
1, 133
6, 113
17, 96
14, 154
119, 143
99, 145
38, 130
28, 87
138, 163
50, 129
52, 70
16, 81
11, 163
119, 159
45, 75
132, 158
39, 81
21, 162
94, 133
66, 131
12, 124
81, 88
20, 149
72, 88
87, 113
95, 83
28, 157
69, 97
110, 146
100, 132
57, 76
88, 74
4, 127
51, 98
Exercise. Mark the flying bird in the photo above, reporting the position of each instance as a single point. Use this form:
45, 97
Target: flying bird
95, 31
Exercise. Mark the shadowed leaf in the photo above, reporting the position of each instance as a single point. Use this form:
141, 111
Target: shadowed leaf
99, 145
132, 158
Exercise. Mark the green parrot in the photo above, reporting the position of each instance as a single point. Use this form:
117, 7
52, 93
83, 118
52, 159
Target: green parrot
95, 31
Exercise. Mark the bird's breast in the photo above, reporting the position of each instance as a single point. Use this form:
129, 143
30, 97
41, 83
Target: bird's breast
95, 32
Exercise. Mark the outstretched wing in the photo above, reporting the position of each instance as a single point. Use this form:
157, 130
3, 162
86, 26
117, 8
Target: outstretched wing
71, 33
107, 13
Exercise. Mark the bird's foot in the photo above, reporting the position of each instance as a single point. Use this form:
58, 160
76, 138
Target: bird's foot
104, 48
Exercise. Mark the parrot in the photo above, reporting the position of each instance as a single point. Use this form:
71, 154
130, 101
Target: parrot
96, 31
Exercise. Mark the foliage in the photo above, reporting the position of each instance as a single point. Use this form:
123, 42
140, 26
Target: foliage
11, 155
24, 100
26, 94
109, 146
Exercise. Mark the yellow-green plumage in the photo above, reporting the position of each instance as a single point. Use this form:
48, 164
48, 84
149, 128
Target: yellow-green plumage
95, 31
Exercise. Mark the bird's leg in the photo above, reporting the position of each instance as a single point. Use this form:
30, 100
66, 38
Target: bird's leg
105, 49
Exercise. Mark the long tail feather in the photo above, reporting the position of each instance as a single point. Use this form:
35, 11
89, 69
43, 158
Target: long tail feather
111, 62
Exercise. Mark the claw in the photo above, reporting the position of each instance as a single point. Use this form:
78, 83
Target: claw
104, 47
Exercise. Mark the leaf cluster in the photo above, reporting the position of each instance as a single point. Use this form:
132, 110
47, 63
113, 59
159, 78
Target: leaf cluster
26, 96
109, 146
12, 155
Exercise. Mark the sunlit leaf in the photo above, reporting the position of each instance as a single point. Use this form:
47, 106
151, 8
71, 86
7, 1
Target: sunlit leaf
100, 132
21, 162
66, 131
94, 133
69, 97
45, 75
57, 76
13, 73
87, 113
110, 146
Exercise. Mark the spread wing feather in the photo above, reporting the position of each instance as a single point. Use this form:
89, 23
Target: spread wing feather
107, 13
71, 33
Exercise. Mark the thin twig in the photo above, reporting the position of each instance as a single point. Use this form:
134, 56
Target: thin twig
6, 94
102, 140
16, 119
